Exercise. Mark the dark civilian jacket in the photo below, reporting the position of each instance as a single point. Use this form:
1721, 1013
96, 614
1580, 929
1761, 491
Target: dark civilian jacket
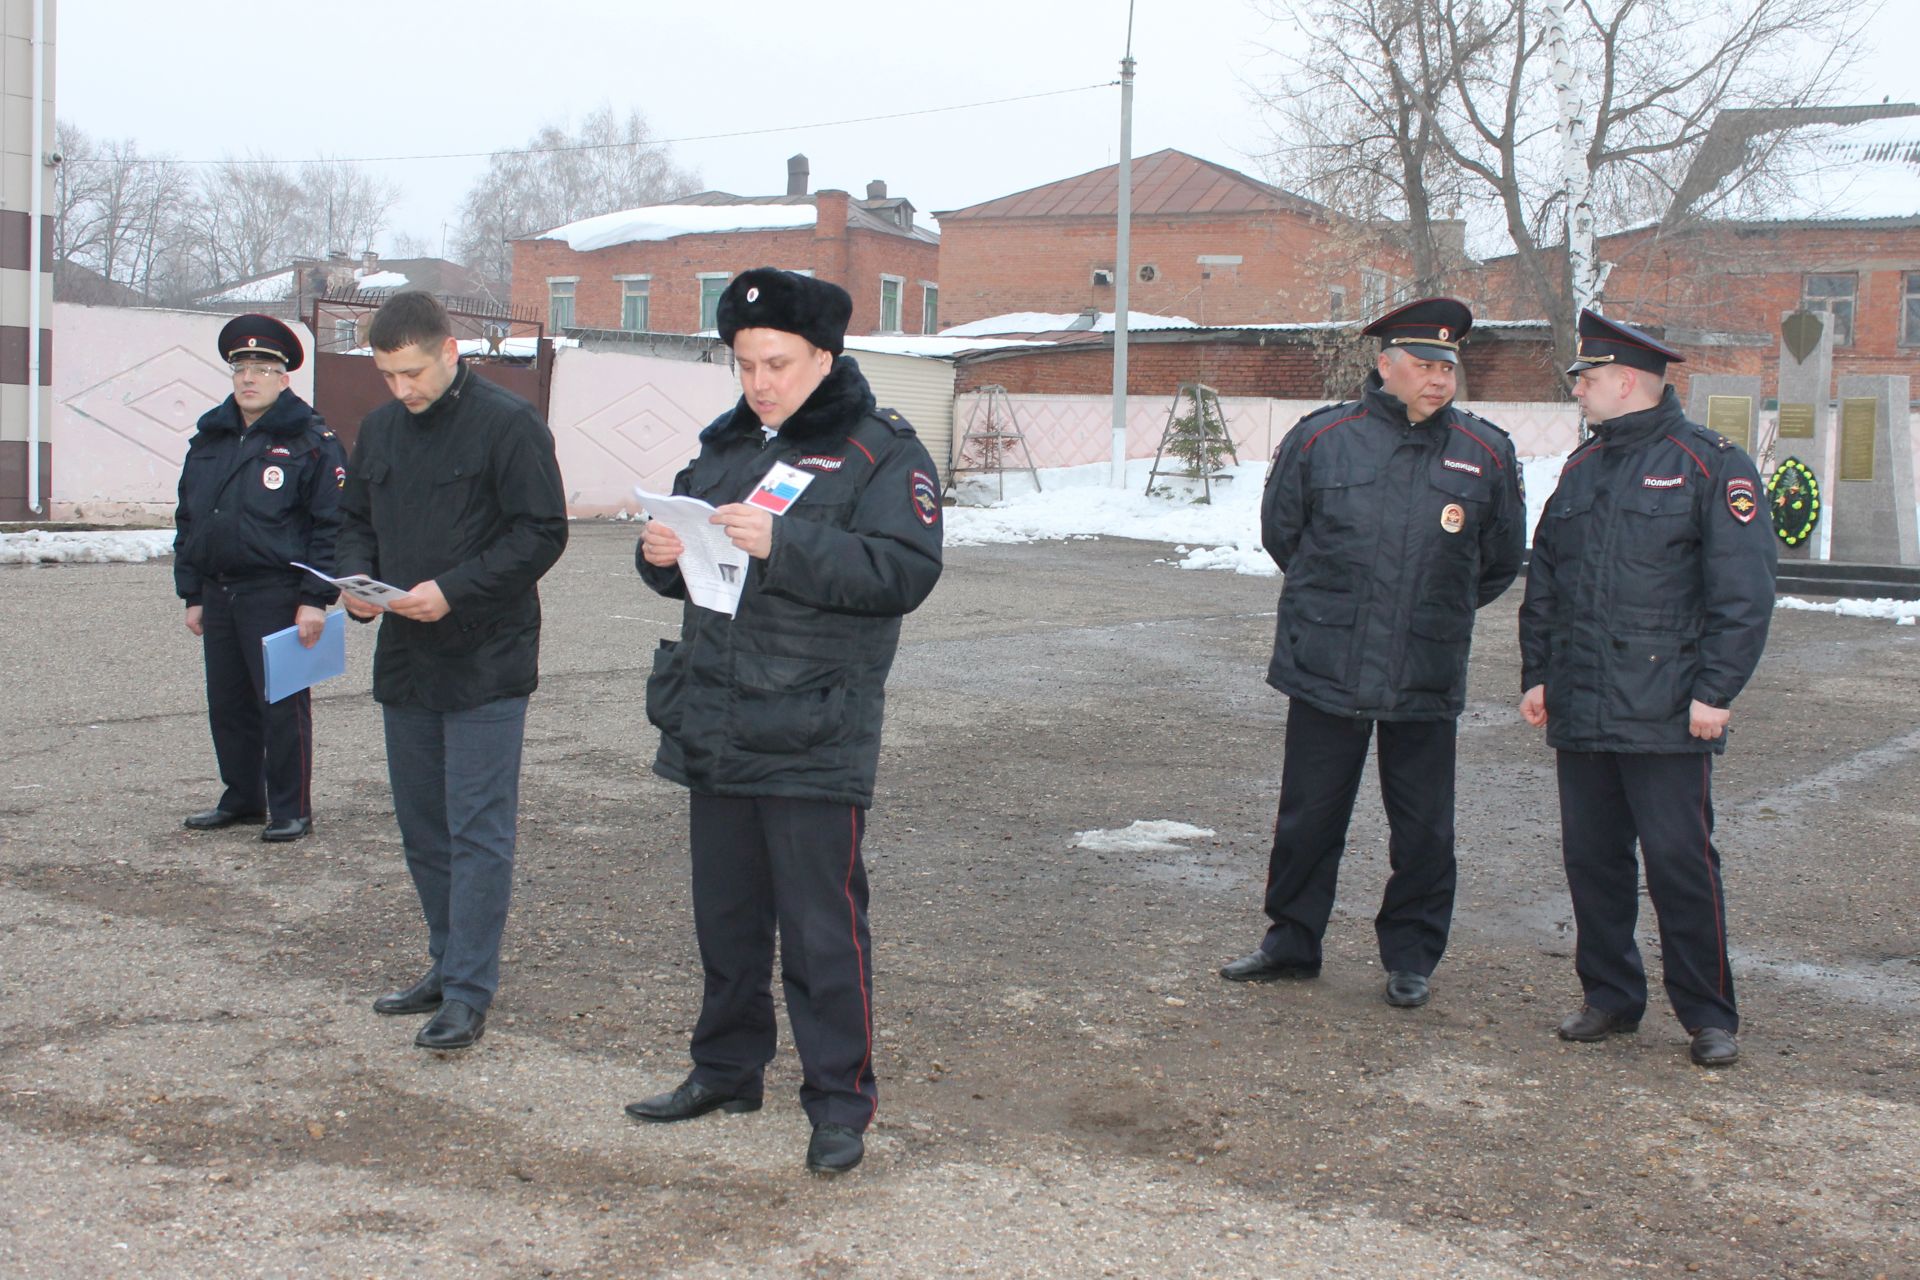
786, 697
253, 500
1390, 535
1651, 585
465, 493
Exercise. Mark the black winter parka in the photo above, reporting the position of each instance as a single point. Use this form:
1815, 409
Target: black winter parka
252, 501
1390, 535
1651, 585
465, 493
786, 697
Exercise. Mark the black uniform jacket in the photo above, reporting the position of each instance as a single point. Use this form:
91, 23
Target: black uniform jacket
252, 501
466, 493
1390, 536
785, 698
1651, 584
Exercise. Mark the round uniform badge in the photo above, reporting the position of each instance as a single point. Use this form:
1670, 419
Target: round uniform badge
273, 477
1453, 518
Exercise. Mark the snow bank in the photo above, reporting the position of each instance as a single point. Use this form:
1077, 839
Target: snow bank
97, 546
1901, 612
1140, 837
1076, 502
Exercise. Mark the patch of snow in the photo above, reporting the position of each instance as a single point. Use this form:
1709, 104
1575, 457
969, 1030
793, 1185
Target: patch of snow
1900, 612
666, 221
1052, 322
94, 546
1077, 502
1156, 836
1542, 476
274, 288
938, 347
380, 280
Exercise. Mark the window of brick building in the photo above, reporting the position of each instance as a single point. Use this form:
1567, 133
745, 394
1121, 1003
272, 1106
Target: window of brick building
712, 285
890, 289
1373, 294
633, 301
560, 302
1832, 296
930, 308
1910, 311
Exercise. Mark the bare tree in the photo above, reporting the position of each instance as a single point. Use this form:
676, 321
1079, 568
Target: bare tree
342, 208
116, 211
558, 177
246, 218
1452, 101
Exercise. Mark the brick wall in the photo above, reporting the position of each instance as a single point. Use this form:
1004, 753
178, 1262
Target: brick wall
1740, 279
855, 259
1286, 367
994, 266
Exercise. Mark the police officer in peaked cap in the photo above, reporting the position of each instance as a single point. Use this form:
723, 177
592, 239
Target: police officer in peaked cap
1394, 518
1646, 611
259, 490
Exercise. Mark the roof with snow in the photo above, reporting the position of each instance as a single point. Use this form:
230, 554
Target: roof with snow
718, 212
1062, 322
1852, 163
1165, 183
275, 286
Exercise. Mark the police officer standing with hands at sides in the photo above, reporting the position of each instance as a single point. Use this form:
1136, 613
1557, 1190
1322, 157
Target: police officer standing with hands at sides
454, 495
1647, 606
260, 489
1393, 518
771, 718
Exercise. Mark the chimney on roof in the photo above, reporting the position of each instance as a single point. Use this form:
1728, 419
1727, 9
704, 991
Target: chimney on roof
797, 176
876, 190
367, 261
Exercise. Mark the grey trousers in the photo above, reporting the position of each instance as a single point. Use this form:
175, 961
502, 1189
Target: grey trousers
456, 794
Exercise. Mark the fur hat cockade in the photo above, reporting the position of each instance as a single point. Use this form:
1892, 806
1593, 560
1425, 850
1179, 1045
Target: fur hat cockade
768, 298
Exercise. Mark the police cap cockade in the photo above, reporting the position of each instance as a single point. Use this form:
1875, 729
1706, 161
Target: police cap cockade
261, 336
1604, 342
1430, 329
768, 298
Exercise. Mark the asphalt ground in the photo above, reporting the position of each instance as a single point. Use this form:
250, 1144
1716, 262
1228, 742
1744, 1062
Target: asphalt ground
192, 1083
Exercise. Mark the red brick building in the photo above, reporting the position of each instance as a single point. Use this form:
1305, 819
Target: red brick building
1843, 242
662, 268
1208, 243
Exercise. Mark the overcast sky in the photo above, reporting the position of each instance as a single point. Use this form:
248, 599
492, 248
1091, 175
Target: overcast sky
356, 78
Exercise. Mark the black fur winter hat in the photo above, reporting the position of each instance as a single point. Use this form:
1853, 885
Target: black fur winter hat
768, 298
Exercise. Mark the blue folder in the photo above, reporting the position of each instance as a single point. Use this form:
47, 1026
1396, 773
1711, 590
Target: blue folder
291, 666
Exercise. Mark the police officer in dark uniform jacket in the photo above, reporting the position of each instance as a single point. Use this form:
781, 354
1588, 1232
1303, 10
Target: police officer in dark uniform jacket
771, 717
1393, 518
260, 489
1648, 599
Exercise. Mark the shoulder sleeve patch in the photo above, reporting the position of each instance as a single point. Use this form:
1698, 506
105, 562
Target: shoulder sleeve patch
925, 498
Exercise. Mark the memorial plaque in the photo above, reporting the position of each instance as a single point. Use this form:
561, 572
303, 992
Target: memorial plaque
1796, 422
1858, 417
1732, 417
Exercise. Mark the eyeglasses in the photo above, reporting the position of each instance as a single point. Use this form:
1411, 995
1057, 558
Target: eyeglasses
253, 368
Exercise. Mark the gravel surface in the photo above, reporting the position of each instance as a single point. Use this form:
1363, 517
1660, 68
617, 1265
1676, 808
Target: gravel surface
192, 1084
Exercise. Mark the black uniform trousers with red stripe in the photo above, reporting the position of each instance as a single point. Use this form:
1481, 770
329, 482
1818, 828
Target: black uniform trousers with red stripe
1608, 800
766, 862
1326, 755
264, 749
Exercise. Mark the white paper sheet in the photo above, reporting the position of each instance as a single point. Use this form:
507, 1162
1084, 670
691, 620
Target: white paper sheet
358, 585
712, 567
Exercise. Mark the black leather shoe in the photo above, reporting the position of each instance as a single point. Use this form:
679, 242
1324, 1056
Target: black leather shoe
688, 1101
1591, 1024
214, 819
1261, 967
456, 1026
286, 829
834, 1148
1714, 1047
422, 997
1406, 990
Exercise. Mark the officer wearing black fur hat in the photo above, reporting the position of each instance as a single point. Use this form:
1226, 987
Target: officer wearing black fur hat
1394, 518
1646, 611
260, 489
771, 718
